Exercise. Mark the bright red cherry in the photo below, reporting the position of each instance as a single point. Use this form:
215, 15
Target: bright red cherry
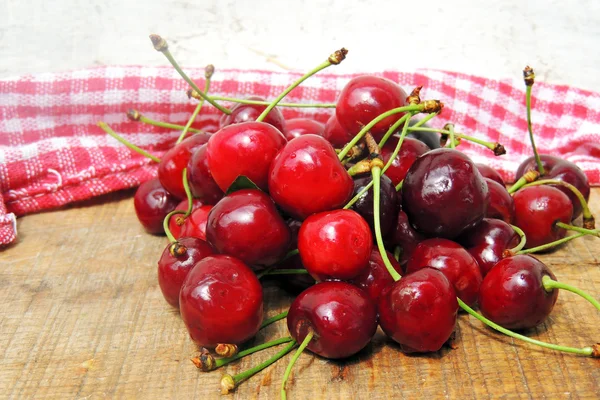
335, 244
376, 278
335, 133
409, 151
303, 126
512, 294
246, 225
419, 311
177, 221
307, 177
201, 182
152, 203
195, 225
172, 270
366, 97
501, 205
250, 112
388, 207
221, 301
342, 317
488, 172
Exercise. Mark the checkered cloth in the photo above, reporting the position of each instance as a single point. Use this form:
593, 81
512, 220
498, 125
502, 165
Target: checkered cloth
52, 153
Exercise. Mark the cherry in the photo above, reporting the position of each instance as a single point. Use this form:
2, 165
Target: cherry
444, 193
195, 225
487, 241
175, 160
388, 207
307, 177
245, 149
366, 97
557, 168
178, 222
405, 236
152, 203
221, 301
250, 112
376, 277
419, 311
453, 261
335, 244
335, 133
501, 205
246, 224
537, 209
409, 151
488, 172
173, 268
303, 126
294, 283
341, 318
431, 139
202, 184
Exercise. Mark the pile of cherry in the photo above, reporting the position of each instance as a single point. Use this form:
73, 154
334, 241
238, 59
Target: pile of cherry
374, 218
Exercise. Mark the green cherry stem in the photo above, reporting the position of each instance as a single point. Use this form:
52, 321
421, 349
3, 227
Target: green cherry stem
529, 78
550, 284
288, 370
275, 318
399, 185
551, 244
593, 232
170, 236
497, 148
397, 253
228, 382
135, 115
334, 59
104, 126
186, 213
266, 103
393, 129
585, 351
522, 241
530, 176
208, 72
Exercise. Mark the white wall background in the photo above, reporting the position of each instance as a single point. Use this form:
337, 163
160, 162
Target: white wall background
498, 38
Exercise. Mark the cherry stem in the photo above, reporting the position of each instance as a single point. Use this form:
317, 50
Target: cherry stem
495, 147
229, 382
224, 361
529, 78
593, 232
266, 103
333, 59
528, 177
275, 318
288, 370
522, 241
399, 185
550, 284
585, 351
197, 109
551, 244
286, 272
104, 126
376, 172
170, 236
393, 129
397, 253
135, 115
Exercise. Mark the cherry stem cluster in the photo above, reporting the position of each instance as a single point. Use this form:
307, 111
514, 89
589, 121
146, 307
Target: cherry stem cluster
209, 72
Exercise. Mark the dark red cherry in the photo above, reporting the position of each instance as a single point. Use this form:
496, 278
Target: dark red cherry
307, 177
557, 168
294, 283
419, 311
250, 112
335, 244
376, 277
303, 126
245, 224
453, 261
366, 97
336, 134
501, 205
512, 294
152, 203
537, 209
488, 172
172, 270
409, 151
388, 207
431, 139
487, 241
444, 193
405, 236
172, 163
342, 317
201, 182
195, 225
221, 301
177, 221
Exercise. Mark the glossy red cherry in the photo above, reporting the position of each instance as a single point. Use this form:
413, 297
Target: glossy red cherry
335, 244
487, 241
376, 277
557, 168
453, 261
419, 311
488, 172
152, 203
172, 163
444, 193
245, 224
537, 209
303, 126
335, 133
250, 112
247, 148
342, 317
512, 294
221, 301
409, 151
405, 236
172, 270
366, 97
202, 184
501, 205
388, 207
177, 221
195, 225
307, 177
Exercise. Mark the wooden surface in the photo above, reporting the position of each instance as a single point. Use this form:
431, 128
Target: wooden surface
82, 317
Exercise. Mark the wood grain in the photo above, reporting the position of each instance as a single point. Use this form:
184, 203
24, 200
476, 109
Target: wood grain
82, 317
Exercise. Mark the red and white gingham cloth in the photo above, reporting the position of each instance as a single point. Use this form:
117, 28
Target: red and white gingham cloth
52, 153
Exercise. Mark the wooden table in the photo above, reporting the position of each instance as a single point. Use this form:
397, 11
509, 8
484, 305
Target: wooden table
82, 317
